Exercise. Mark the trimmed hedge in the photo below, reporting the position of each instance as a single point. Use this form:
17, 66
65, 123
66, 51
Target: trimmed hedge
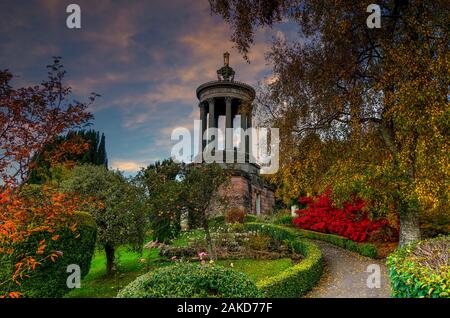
49, 280
410, 279
298, 279
285, 220
364, 249
186, 280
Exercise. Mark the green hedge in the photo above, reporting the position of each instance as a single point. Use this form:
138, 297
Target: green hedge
410, 279
285, 220
187, 280
298, 279
364, 249
49, 280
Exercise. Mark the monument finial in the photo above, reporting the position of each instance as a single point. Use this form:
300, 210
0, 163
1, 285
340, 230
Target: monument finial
226, 59
226, 73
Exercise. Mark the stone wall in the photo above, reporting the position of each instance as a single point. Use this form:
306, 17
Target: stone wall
241, 192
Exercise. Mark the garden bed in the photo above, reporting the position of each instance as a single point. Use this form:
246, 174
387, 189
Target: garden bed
421, 269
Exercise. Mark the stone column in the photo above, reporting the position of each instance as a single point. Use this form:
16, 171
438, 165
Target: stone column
248, 141
203, 118
212, 121
229, 151
243, 145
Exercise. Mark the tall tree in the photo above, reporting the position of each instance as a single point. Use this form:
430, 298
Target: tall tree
201, 188
164, 197
92, 152
32, 117
120, 214
385, 87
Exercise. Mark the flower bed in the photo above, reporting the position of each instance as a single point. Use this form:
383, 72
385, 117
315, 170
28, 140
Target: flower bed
298, 279
421, 269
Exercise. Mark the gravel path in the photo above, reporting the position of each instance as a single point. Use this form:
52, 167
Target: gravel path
345, 275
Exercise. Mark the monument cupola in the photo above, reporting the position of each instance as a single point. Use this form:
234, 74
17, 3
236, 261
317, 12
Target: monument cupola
229, 98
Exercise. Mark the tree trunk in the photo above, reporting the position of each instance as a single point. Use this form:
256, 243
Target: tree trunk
409, 226
109, 250
408, 210
211, 252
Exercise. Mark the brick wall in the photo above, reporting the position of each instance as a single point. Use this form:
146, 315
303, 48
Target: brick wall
240, 192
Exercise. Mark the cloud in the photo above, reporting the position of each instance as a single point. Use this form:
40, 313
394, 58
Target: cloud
131, 165
146, 59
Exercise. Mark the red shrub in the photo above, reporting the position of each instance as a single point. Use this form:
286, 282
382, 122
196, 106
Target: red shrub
351, 221
235, 215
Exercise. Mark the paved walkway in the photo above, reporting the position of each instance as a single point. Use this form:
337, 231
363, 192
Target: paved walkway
345, 275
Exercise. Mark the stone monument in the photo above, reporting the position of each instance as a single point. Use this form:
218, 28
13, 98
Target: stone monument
231, 99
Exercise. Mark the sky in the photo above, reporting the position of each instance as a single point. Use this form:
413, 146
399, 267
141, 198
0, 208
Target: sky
144, 57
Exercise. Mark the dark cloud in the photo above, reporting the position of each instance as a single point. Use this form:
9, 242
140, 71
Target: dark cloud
145, 58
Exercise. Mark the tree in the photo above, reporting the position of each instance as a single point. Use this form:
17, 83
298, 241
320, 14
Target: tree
201, 187
120, 216
164, 197
386, 88
30, 213
51, 156
31, 117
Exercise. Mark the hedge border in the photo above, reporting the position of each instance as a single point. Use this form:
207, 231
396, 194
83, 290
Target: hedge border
298, 279
364, 249
411, 280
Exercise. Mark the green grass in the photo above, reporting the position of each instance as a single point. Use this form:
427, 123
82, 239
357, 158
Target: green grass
258, 269
130, 265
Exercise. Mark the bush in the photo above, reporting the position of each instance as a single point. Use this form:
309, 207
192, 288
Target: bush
235, 215
350, 221
186, 280
298, 279
250, 218
421, 269
216, 221
364, 249
284, 220
49, 280
258, 242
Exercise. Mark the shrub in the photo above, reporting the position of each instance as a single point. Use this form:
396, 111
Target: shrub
258, 242
186, 280
235, 215
298, 279
350, 221
284, 220
364, 249
250, 218
421, 269
216, 221
49, 279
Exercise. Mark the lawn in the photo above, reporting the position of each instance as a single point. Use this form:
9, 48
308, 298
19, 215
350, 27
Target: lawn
131, 265
258, 269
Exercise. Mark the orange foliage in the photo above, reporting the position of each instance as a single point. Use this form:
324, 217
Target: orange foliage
22, 216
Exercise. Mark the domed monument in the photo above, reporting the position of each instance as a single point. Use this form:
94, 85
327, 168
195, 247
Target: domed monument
231, 99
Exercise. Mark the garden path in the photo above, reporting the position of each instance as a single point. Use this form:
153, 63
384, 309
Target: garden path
345, 275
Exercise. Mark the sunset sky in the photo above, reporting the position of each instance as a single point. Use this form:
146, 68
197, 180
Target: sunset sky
145, 58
